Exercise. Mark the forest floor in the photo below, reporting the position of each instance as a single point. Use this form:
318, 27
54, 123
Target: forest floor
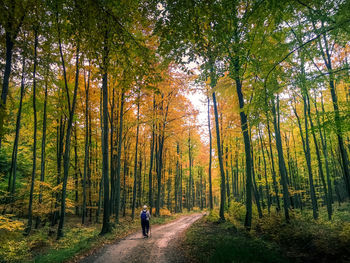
271, 239
208, 241
160, 247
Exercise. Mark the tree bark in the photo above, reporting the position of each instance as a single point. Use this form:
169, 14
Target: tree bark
281, 162
30, 207
66, 157
221, 164
13, 169
86, 156
119, 153
135, 163
210, 159
106, 227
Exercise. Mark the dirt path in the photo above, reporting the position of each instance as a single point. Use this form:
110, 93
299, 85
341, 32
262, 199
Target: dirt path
160, 247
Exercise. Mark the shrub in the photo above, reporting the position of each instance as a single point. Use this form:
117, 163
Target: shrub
237, 212
213, 216
306, 238
14, 251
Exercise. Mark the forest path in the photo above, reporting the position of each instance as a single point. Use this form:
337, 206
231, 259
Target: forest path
160, 247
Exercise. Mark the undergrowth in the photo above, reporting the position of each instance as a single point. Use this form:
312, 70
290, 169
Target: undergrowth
211, 241
41, 245
271, 238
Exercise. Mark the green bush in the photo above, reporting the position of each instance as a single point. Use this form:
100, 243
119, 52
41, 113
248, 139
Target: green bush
237, 212
14, 251
213, 216
307, 239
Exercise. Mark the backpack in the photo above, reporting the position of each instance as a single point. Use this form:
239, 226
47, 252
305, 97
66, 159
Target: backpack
144, 215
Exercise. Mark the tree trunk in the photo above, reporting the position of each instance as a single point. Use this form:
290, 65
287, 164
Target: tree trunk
86, 156
30, 207
5, 83
227, 178
281, 162
221, 164
274, 181
326, 55
135, 163
119, 153
112, 155
306, 148
105, 224
244, 127
255, 187
13, 169
76, 169
210, 159
66, 157
190, 171
43, 148
267, 187
320, 168
325, 154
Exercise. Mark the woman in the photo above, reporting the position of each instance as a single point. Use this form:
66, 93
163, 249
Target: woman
145, 217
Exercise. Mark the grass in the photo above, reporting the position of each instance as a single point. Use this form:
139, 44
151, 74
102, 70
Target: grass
271, 239
210, 241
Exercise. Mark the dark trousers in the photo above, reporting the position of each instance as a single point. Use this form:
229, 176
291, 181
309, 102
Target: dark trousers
145, 227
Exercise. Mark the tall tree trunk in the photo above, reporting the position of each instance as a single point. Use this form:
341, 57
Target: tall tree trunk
30, 207
159, 170
119, 153
112, 155
255, 187
227, 178
66, 157
5, 83
76, 169
326, 55
43, 147
13, 168
221, 164
267, 187
210, 159
281, 162
177, 177
274, 181
12, 27
150, 175
190, 171
125, 172
320, 168
308, 161
325, 154
106, 227
244, 127
306, 148
60, 145
139, 182
159, 158
181, 191
86, 156
135, 163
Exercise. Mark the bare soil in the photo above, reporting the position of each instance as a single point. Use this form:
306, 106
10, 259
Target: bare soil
160, 247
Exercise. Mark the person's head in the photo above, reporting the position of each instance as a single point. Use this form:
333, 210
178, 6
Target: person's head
145, 207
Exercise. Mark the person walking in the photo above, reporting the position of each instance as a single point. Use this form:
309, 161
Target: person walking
145, 217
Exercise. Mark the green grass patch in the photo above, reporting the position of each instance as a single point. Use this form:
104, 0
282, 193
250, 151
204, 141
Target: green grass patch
210, 241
